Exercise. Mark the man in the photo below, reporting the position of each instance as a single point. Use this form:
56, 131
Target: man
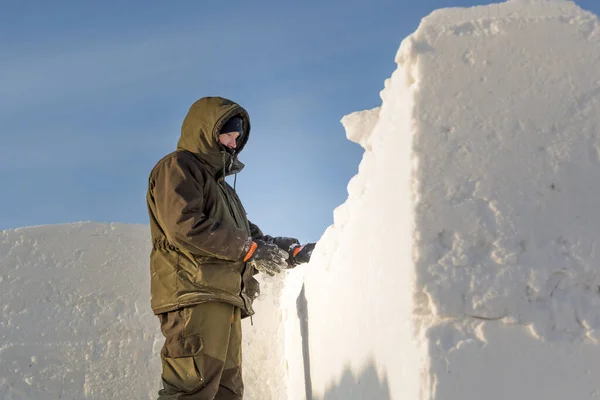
205, 253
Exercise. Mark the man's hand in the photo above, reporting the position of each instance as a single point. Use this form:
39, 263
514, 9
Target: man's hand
300, 254
267, 257
284, 243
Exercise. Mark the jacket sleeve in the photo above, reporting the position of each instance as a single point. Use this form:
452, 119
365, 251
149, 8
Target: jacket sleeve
179, 201
255, 232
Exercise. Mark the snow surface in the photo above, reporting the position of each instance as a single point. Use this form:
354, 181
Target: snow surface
463, 265
76, 320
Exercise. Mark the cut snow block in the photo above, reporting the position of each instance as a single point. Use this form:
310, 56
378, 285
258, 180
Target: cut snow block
465, 263
75, 313
76, 323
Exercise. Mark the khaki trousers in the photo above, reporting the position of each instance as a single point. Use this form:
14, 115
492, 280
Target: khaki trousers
202, 354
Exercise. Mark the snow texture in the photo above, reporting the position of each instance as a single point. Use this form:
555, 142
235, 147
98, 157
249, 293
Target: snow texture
76, 320
464, 264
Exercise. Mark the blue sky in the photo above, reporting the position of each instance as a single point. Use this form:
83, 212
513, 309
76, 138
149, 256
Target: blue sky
93, 94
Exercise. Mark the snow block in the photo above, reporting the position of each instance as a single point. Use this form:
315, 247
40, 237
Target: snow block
75, 318
464, 264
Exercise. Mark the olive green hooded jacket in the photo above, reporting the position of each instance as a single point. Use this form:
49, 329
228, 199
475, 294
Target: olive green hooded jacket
200, 232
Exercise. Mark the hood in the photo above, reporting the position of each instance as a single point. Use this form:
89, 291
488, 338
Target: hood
200, 134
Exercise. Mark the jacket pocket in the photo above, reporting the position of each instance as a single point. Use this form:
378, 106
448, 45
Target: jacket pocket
163, 278
183, 363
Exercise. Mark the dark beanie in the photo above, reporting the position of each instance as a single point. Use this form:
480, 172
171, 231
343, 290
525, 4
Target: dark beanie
234, 124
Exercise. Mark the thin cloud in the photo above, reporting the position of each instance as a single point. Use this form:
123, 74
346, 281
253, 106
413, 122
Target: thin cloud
61, 148
91, 67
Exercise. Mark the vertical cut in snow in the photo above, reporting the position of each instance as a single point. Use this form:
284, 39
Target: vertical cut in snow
464, 263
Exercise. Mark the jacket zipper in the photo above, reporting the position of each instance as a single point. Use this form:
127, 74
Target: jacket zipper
238, 223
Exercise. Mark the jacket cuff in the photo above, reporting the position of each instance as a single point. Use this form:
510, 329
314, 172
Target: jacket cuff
247, 248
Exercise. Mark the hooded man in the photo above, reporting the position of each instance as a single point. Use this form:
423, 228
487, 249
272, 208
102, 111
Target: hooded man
205, 254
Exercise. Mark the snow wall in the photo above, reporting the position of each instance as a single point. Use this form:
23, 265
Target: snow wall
76, 320
465, 263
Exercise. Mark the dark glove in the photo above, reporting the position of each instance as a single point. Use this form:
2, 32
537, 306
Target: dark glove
268, 257
283, 242
252, 288
300, 254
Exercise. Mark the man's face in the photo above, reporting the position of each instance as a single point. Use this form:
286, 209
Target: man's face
229, 139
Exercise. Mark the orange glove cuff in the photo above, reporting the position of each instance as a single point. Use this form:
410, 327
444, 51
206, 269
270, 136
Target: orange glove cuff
253, 248
297, 250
